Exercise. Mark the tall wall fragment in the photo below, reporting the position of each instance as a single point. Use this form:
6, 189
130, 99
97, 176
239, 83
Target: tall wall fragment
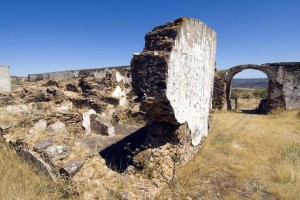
174, 74
5, 82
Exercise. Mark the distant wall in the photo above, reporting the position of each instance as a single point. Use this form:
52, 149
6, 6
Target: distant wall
97, 72
5, 82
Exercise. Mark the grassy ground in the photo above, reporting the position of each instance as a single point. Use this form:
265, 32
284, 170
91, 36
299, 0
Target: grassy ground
18, 181
244, 157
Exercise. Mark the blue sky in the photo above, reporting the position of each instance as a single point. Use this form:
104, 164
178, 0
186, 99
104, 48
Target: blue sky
54, 35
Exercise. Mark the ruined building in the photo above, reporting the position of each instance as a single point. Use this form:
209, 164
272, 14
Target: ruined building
283, 86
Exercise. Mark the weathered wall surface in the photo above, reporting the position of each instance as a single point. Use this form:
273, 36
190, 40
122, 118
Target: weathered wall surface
98, 73
5, 82
174, 74
283, 89
288, 78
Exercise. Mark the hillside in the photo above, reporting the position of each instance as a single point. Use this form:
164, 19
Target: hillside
249, 82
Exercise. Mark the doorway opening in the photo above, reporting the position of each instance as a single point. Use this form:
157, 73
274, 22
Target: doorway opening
249, 91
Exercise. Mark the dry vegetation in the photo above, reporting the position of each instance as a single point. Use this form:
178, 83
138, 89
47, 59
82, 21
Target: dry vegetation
19, 181
246, 157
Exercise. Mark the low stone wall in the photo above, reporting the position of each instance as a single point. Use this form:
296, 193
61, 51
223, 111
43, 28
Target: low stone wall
5, 81
63, 75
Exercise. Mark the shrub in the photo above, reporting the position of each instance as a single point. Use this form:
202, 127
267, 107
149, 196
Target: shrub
234, 94
246, 96
262, 93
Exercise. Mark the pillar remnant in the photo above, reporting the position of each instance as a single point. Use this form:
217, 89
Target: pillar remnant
174, 74
5, 82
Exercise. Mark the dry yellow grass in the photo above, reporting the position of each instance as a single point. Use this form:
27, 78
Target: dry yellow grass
244, 157
19, 181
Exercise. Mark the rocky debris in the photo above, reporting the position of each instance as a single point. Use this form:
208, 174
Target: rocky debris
6, 100
86, 84
86, 120
101, 126
72, 87
4, 129
42, 94
57, 127
96, 105
65, 106
38, 127
56, 83
37, 162
72, 119
129, 116
42, 145
111, 100
17, 109
173, 76
71, 168
166, 148
56, 153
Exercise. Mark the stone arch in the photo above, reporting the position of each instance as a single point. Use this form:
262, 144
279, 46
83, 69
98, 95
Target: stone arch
283, 87
229, 74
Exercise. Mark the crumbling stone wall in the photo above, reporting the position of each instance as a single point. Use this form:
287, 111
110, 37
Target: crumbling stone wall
62, 75
283, 88
173, 76
5, 82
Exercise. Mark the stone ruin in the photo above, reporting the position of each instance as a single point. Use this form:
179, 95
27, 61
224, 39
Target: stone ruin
159, 105
5, 82
283, 86
173, 76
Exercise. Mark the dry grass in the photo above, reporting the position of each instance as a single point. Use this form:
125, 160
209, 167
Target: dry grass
245, 157
19, 181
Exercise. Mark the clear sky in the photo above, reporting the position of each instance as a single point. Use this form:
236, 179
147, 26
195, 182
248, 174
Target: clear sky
53, 35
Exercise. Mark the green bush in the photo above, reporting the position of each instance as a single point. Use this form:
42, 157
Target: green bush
234, 94
246, 96
262, 93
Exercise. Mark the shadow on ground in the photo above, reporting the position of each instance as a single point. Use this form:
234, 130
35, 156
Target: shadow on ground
118, 156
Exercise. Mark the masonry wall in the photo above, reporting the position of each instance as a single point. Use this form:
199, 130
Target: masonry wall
174, 74
5, 82
283, 89
63, 75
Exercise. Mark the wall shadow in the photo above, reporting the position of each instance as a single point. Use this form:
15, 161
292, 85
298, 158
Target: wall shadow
119, 155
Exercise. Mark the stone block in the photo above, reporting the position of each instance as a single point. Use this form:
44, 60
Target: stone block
5, 81
42, 146
174, 74
57, 152
34, 159
101, 126
71, 168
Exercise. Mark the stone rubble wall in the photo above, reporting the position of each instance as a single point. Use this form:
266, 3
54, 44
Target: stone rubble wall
173, 76
283, 89
5, 81
63, 75
288, 79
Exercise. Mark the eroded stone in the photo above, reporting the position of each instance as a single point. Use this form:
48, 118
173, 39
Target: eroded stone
57, 152
174, 74
42, 146
101, 126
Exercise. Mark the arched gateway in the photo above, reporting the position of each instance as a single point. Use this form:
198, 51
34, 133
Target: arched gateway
283, 87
